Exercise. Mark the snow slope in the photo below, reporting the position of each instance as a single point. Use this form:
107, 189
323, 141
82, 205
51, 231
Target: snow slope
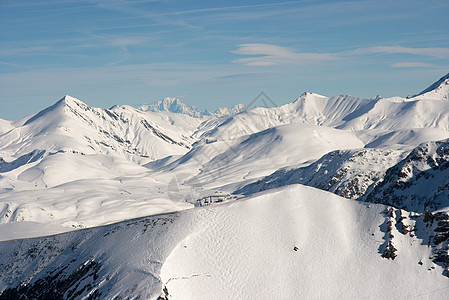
242, 249
216, 165
247, 250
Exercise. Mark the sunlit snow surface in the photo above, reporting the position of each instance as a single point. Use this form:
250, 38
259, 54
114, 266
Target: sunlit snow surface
242, 249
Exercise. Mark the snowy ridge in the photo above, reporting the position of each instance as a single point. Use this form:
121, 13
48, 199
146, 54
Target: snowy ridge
438, 90
342, 112
222, 165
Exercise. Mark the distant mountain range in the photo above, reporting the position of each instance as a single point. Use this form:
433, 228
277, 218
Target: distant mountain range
331, 189
174, 105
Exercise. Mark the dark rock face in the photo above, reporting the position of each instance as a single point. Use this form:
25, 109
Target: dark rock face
438, 227
420, 182
58, 285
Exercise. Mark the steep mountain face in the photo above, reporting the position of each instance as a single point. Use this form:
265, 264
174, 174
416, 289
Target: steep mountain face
91, 264
416, 181
419, 182
174, 105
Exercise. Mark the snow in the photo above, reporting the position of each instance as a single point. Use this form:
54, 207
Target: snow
170, 159
240, 249
73, 166
245, 250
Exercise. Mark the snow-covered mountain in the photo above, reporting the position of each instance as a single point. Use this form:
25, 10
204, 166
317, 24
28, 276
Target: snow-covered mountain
386, 115
73, 166
174, 105
121, 131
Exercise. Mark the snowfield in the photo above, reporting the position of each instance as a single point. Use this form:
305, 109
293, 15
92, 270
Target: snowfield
322, 198
293, 243
247, 250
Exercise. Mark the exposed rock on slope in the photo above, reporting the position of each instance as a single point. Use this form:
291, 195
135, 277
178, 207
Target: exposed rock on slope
347, 173
419, 182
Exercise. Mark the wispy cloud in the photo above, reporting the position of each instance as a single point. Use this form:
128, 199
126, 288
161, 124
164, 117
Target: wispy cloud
132, 8
127, 41
270, 55
241, 76
412, 64
238, 7
23, 50
433, 52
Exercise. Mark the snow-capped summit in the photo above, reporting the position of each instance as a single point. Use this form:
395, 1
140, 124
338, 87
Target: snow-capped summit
62, 105
229, 111
72, 125
438, 90
174, 105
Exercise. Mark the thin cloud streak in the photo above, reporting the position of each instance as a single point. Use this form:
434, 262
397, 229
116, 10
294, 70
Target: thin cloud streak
411, 64
434, 52
271, 55
276, 55
215, 9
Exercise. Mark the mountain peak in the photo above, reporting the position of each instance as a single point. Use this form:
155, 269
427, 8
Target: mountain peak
174, 105
60, 105
439, 89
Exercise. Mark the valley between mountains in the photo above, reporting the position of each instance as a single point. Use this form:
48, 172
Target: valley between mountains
321, 198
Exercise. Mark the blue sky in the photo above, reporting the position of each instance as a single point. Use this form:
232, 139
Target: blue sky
212, 54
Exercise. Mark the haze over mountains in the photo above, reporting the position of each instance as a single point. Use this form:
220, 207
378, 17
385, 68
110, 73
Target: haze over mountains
73, 166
